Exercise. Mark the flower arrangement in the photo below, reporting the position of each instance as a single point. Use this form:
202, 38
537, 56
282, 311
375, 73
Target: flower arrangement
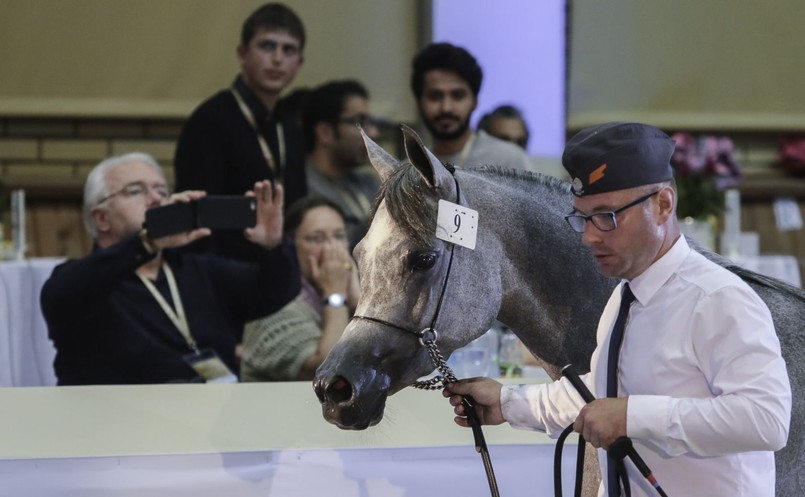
704, 168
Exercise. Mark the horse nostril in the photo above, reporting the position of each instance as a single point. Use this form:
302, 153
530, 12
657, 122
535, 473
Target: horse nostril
338, 390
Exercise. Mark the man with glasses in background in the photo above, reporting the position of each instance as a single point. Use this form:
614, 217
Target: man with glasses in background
337, 166
136, 311
688, 363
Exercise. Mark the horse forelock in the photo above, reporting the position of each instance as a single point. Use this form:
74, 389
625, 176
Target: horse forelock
409, 202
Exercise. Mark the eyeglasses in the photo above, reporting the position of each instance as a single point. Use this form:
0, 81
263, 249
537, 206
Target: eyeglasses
604, 221
138, 189
319, 238
362, 120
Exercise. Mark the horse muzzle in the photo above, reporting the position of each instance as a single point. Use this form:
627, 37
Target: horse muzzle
351, 405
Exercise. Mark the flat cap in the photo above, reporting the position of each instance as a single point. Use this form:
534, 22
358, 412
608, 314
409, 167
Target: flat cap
616, 156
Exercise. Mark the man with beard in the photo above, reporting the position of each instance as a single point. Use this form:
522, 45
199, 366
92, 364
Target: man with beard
337, 161
446, 80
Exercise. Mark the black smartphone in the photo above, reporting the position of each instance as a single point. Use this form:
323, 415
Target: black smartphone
170, 219
216, 212
224, 212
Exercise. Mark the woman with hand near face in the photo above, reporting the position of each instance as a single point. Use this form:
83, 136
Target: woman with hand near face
291, 343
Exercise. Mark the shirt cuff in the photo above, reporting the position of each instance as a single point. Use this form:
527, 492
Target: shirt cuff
647, 416
516, 408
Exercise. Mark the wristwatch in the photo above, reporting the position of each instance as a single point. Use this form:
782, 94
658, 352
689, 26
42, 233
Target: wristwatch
335, 300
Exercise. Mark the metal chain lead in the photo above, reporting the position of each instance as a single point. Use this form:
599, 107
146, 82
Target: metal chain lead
437, 382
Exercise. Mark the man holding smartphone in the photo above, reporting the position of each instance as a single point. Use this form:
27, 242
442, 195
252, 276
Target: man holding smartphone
137, 311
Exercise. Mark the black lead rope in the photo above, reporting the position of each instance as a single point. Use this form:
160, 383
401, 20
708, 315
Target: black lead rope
557, 463
619, 450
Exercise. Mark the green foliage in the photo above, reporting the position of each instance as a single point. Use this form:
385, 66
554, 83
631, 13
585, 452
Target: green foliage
699, 197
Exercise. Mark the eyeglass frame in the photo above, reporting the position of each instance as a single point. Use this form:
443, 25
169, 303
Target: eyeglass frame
145, 189
610, 215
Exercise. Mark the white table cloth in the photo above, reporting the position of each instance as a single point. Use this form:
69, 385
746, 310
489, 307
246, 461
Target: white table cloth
26, 353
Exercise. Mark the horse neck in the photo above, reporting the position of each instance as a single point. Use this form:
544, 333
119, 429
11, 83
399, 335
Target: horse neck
552, 292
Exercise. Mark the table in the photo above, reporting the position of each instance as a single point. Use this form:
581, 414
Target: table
26, 352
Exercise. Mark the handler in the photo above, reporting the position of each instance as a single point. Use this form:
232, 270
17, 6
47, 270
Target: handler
700, 387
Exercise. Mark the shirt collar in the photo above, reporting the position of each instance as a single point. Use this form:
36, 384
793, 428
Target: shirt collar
645, 286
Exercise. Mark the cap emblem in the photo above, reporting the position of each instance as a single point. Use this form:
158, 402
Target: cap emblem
597, 174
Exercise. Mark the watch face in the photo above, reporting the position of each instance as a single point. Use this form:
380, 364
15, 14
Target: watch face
335, 300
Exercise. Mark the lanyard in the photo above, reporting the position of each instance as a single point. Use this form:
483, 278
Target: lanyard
247, 113
178, 318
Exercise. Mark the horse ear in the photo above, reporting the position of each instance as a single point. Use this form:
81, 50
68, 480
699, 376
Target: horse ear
383, 162
428, 165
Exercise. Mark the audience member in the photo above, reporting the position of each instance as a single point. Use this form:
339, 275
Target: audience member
292, 343
446, 80
507, 123
337, 165
688, 363
135, 311
240, 135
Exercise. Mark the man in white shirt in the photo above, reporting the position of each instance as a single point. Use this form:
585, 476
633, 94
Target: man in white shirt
700, 386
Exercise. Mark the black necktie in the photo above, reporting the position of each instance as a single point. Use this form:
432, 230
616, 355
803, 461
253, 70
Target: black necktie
613, 466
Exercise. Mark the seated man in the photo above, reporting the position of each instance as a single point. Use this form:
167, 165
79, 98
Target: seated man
336, 152
134, 311
292, 343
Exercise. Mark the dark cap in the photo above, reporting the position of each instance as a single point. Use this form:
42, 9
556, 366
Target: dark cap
616, 156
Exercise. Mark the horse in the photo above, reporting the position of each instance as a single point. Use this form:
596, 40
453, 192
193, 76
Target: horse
527, 269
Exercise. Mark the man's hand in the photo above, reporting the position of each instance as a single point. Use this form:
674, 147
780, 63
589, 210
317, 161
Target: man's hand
602, 421
485, 392
268, 230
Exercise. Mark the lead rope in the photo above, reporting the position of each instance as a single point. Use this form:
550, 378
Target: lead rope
437, 382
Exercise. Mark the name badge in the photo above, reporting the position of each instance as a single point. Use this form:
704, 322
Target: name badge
209, 366
457, 224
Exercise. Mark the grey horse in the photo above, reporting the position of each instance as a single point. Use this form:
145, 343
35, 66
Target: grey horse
528, 269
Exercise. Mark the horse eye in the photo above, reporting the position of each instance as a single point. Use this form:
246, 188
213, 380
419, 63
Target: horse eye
423, 260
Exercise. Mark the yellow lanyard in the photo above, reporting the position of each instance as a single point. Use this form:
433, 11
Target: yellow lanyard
247, 113
178, 318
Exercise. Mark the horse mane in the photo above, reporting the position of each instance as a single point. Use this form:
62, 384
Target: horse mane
411, 203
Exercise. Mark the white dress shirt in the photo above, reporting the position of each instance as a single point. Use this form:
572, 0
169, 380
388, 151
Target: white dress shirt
709, 396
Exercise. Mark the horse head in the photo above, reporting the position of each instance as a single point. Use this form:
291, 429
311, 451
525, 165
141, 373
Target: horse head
407, 288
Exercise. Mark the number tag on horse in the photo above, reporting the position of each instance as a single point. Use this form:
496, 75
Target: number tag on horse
457, 224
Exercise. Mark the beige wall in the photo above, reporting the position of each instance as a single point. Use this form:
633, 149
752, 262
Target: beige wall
150, 58
691, 64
